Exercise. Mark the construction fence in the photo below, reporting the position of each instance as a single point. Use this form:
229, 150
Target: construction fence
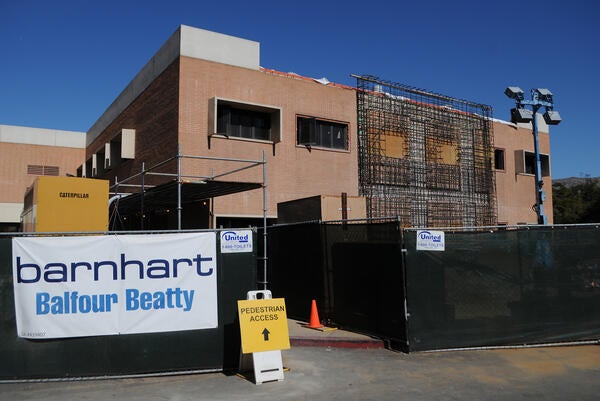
488, 287
177, 318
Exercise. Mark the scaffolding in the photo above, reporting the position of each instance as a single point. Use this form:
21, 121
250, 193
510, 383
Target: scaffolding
424, 157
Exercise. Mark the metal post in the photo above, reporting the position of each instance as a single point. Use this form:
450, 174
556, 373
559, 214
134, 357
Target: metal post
116, 207
179, 187
264, 221
539, 182
142, 200
213, 220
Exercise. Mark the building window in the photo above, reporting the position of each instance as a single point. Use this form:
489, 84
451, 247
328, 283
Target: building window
235, 119
321, 133
42, 170
525, 163
242, 123
499, 159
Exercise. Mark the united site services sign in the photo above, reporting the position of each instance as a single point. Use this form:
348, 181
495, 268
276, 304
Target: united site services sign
105, 285
236, 241
429, 240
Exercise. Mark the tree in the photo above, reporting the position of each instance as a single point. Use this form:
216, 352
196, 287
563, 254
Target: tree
579, 203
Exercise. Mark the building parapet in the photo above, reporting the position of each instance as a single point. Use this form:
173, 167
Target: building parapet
42, 136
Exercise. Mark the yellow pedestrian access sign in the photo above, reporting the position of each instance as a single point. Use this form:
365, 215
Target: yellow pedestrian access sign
263, 325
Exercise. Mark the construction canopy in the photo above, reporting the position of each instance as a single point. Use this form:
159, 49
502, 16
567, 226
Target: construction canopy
167, 194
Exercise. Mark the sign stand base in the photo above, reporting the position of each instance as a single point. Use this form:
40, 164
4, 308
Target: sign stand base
268, 366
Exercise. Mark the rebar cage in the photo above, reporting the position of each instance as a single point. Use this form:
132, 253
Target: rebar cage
424, 157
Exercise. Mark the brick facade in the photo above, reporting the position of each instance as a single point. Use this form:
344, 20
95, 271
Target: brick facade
16, 157
516, 191
174, 111
154, 117
293, 171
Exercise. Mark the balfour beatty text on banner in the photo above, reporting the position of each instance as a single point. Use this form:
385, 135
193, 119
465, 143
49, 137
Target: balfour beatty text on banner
102, 285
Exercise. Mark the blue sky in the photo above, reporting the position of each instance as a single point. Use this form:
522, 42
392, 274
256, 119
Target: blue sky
63, 62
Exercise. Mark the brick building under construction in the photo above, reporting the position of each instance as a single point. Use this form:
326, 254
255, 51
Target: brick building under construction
177, 137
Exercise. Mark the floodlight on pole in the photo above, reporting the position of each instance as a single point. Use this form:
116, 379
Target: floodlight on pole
520, 115
514, 92
552, 117
540, 97
543, 94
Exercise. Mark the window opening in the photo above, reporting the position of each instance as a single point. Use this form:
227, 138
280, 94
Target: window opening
321, 133
499, 159
243, 123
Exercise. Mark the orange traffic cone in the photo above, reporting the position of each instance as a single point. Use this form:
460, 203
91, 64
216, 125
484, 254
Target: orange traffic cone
314, 323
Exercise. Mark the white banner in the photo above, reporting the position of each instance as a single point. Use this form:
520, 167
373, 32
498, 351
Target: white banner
104, 285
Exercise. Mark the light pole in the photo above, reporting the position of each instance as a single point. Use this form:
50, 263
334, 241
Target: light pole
539, 98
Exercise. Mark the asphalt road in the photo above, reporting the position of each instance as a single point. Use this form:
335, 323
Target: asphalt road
323, 373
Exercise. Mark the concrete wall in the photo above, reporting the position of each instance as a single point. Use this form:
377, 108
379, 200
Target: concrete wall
515, 191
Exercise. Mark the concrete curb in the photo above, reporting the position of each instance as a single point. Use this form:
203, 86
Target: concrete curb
336, 343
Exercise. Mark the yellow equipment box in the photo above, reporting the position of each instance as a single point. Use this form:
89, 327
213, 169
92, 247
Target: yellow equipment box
66, 204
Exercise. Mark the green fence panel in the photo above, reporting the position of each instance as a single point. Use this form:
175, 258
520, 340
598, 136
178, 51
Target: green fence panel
513, 287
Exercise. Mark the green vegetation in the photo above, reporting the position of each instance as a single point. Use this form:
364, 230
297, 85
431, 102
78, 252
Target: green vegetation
576, 201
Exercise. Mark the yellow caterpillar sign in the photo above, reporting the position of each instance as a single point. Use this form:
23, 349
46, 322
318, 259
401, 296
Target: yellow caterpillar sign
60, 204
263, 325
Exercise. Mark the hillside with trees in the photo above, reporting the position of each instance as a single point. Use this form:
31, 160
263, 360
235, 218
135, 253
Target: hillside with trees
576, 200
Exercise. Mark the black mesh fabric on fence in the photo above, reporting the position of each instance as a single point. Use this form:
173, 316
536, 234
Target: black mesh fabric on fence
366, 279
353, 271
533, 285
488, 288
295, 267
